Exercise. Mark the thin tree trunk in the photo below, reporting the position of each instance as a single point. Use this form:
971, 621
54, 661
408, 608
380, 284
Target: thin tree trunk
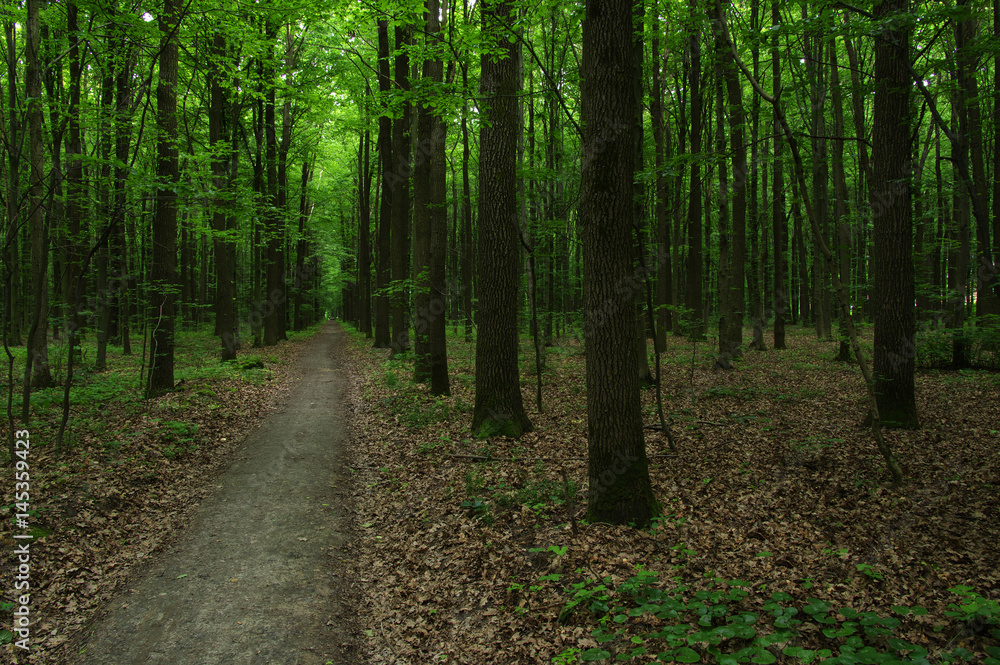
693, 300
383, 271
399, 183
36, 369
779, 223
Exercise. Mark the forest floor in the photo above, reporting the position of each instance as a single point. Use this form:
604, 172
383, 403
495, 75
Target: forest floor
213, 538
780, 536
781, 539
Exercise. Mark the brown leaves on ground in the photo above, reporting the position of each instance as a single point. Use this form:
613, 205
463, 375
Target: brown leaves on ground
776, 483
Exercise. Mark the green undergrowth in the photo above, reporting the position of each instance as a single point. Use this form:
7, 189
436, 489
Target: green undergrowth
198, 377
646, 619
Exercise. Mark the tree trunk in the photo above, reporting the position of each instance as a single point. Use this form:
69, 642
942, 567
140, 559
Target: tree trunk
639, 200
364, 271
12, 258
104, 294
218, 137
383, 271
893, 292
779, 222
425, 147
273, 217
399, 184
437, 204
163, 271
967, 57
467, 244
840, 202
736, 297
36, 369
499, 409
620, 489
693, 299
664, 287
753, 278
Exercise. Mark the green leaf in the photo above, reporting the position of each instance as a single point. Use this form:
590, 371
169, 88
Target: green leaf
686, 655
594, 654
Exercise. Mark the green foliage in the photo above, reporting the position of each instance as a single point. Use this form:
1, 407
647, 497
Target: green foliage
642, 617
981, 337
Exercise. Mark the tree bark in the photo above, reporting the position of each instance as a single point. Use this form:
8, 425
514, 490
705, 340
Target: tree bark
893, 290
738, 196
693, 298
437, 207
399, 184
499, 409
36, 370
620, 489
225, 292
779, 221
163, 271
383, 270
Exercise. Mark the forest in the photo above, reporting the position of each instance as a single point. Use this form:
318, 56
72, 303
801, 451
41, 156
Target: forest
607, 267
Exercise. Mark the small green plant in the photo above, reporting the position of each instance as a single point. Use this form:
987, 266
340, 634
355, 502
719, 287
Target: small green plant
868, 570
478, 509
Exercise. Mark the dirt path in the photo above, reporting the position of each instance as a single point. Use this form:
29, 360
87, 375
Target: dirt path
255, 579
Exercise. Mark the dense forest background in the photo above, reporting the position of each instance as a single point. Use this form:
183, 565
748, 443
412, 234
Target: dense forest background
259, 166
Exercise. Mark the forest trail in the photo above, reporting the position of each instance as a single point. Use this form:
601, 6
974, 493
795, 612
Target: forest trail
254, 579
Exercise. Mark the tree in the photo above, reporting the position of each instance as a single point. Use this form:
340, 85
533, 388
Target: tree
225, 314
399, 183
36, 368
693, 299
620, 488
893, 292
499, 408
383, 271
163, 270
779, 221
737, 147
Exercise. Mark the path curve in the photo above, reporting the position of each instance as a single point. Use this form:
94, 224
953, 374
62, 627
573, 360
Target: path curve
254, 579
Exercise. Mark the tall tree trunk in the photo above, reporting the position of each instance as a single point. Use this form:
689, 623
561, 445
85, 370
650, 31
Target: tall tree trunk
437, 204
893, 291
163, 272
736, 297
364, 271
753, 278
693, 299
779, 222
273, 217
820, 178
218, 137
840, 203
967, 57
12, 237
76, 192
620, 490
302, 279
104, 296
467, 244
664, 287
383, 272
399, 183
36, 369
639, 198
425, 147
499, 409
